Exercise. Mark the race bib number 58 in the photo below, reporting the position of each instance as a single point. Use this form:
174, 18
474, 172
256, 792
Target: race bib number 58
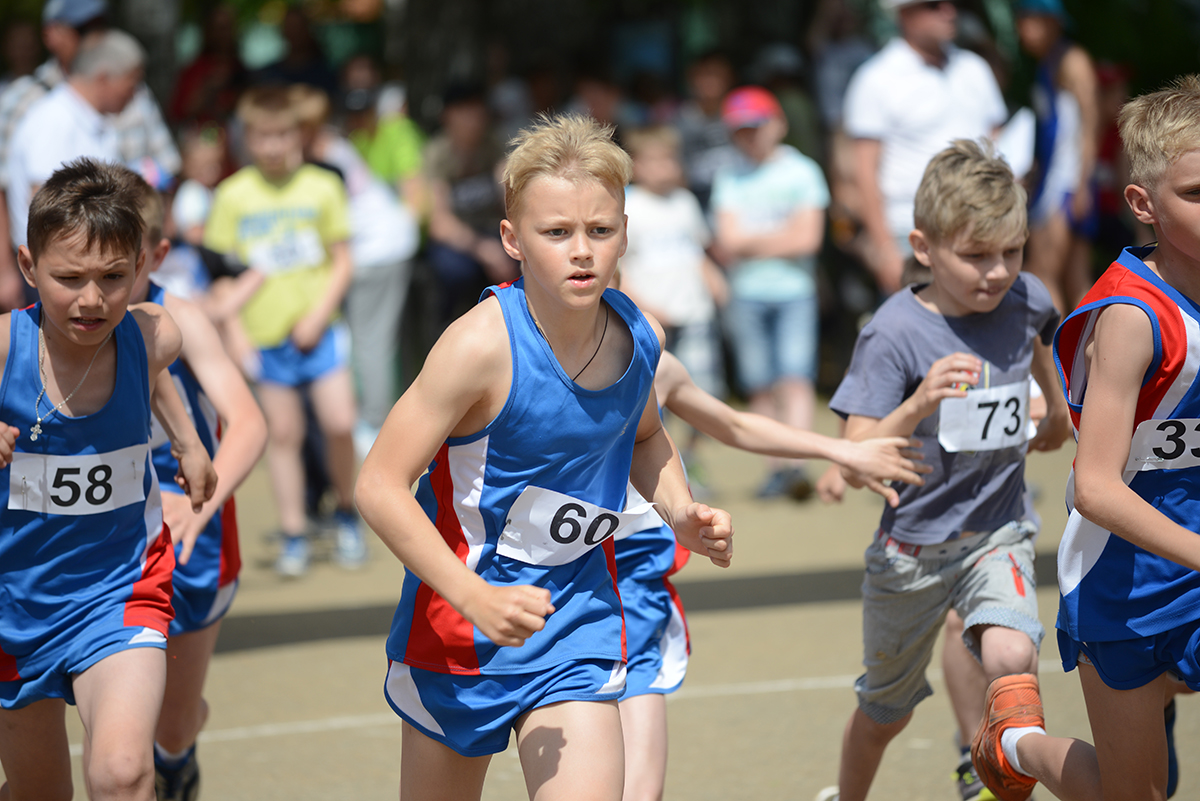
545, 527
985, 420
1164, 445
79, 484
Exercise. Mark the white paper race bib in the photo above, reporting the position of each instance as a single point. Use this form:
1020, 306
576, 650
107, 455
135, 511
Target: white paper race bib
1164, 445
77, 484
985, 420
294, 250
545, 527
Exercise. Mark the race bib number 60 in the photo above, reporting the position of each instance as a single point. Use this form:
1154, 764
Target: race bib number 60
1164, 445
79, 484
545, 527
985, 420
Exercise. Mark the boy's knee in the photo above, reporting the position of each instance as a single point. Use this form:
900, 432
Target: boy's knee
121, 773
1006, 651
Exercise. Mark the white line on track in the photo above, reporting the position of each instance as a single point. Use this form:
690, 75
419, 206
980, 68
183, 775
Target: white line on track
342, 723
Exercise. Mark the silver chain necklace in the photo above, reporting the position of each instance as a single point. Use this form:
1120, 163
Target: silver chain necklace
37, 404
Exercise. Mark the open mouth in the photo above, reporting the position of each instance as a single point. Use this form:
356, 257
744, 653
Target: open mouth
87, 323
581, 278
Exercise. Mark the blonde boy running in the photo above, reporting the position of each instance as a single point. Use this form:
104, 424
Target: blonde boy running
533, 412
1129, 560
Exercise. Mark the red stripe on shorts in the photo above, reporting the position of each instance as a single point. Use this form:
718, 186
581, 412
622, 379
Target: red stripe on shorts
149, 603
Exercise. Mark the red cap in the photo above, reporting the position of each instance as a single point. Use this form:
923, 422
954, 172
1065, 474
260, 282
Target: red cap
749, 107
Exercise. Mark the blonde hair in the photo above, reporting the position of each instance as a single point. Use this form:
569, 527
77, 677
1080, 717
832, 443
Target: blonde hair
265, 104
968, 188
641, 138
1157, 128
310, 104
570, 146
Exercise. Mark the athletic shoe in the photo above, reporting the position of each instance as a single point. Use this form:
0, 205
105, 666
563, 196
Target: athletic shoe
293, 556
179, 783
828, 794
1172, 759
969, 785
349, 549
785, 481
1011, 702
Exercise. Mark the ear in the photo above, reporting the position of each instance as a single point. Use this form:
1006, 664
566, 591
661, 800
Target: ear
1141, 203
921, 247
160, 252
508, 238
141, 262
25, 262
624, 234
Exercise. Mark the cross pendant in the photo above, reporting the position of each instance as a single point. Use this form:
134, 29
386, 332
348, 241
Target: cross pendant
35, 431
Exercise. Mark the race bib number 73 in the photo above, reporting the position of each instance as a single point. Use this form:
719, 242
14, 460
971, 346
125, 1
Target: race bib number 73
985, 420
1164, 445
545, 527
79, 484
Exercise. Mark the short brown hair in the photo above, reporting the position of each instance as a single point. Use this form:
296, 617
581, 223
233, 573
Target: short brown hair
571, 146
1157, 128
150, 205
260, 104
91, 196
968, 188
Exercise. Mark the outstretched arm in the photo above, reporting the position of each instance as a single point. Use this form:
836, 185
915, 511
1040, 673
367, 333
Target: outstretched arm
244, 430
875, 460
1120, 353
1055, 427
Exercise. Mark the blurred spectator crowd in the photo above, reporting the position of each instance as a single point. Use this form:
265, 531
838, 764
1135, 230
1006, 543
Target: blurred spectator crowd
769, 211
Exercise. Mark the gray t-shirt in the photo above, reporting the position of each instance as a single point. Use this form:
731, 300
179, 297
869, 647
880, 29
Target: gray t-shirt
967, 491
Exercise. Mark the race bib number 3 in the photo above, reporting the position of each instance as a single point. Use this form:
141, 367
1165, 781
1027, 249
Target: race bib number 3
78, 484
1164, 445
545, 527
985, 420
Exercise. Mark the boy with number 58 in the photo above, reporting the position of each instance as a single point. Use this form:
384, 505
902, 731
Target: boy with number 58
948, 362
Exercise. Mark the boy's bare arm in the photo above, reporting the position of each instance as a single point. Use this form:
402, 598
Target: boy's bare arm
464, 384
877, 460
311, 327
1055, 427
244, 430
163, 343
1120, 353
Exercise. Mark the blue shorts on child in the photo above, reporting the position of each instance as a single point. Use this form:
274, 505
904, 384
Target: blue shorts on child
1129, 664
288, 365
473, 715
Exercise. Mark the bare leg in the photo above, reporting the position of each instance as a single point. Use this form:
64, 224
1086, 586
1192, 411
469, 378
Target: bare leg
797, 399
644, 724
285, 427
1005, 652
572, 751
966, 683
184, 710
1077, 277
34, 752
333, 402
429, 771
1046, 256
119, 698
863, 744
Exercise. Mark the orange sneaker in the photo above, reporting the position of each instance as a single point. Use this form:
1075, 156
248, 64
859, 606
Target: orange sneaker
1012, 701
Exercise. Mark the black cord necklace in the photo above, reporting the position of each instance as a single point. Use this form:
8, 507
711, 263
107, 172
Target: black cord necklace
598, 344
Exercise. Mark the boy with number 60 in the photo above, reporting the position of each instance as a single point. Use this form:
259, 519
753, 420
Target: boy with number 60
948, 362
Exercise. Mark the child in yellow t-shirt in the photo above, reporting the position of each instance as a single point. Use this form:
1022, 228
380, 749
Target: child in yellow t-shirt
289, 221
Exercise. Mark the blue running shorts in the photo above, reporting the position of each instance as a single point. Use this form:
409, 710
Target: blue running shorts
287, 365
1129, 664
656, 637
473, 715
